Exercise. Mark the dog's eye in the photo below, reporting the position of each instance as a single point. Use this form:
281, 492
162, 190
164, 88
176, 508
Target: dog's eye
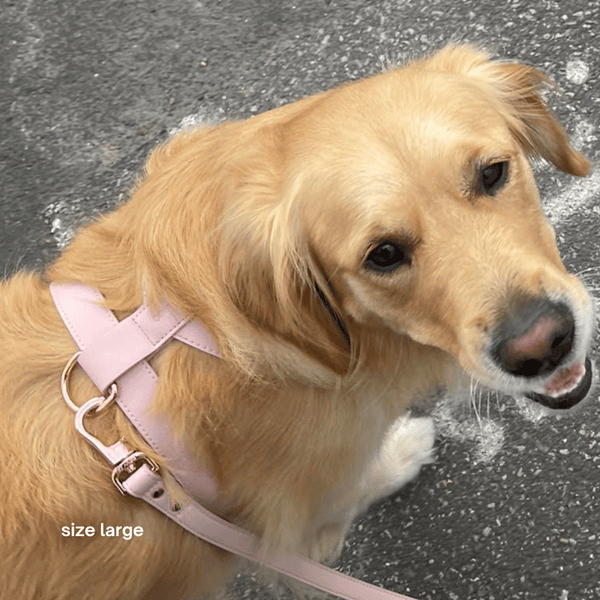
387, 257
493, 177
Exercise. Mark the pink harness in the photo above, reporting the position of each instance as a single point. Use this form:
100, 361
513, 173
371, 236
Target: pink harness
114, 356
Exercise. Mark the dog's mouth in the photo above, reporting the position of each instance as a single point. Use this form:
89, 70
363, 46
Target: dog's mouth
568, 387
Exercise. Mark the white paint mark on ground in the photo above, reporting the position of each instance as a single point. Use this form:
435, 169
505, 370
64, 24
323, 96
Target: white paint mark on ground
577, 71
574, 198
199, 119
61, 216
62, 235
584, 134
531, 411
486, 435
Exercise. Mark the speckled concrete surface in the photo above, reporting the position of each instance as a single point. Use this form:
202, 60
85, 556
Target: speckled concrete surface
88, 88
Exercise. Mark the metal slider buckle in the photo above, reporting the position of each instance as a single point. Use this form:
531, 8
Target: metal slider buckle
125, 461
128, 466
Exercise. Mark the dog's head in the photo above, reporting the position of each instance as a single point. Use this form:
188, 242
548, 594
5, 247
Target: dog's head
405, 206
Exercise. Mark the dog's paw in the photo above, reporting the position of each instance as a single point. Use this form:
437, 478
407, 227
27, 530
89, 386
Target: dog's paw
407, 446
328, 542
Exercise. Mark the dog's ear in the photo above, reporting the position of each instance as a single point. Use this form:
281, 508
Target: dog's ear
271, 275
516, 88
532, 122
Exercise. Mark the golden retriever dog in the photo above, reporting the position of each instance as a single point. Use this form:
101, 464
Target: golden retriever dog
347, 253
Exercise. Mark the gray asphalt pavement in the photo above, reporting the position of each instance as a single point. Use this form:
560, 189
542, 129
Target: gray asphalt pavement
87, 88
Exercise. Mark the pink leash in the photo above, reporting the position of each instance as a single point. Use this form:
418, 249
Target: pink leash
113, 355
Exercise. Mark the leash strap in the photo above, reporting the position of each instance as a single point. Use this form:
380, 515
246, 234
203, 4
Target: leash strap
149, 486
117, 350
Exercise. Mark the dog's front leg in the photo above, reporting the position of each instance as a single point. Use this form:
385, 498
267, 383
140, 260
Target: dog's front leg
407, 446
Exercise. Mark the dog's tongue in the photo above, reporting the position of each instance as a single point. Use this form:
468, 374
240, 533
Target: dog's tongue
565, 380
567, 388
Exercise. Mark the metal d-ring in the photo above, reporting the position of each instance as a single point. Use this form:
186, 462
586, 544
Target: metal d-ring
64, 386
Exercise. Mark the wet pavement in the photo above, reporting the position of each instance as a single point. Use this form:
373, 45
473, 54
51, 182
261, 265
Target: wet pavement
87, 89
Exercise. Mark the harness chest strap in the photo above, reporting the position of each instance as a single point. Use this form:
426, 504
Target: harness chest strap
100, 337
114, 350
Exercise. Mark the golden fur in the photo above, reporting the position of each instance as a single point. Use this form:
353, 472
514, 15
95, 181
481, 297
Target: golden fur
236, 226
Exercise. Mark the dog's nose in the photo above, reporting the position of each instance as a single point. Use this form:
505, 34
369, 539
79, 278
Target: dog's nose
534, 337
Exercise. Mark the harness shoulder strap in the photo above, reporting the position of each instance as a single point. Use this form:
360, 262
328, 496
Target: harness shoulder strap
110, 347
